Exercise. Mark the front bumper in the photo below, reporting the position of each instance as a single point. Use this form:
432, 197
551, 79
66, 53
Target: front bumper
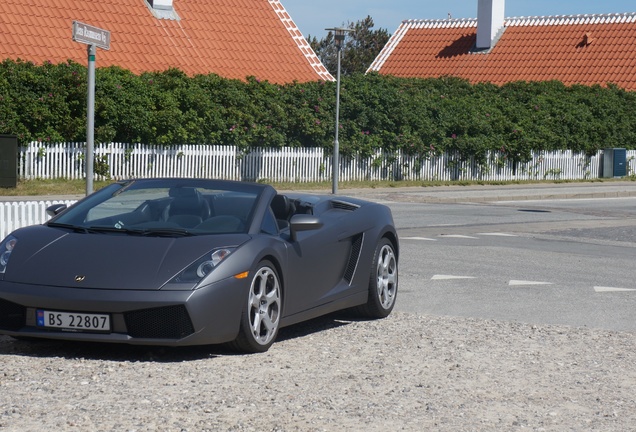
208, 315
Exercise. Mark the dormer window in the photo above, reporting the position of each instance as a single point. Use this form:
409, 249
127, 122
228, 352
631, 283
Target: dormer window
162, 9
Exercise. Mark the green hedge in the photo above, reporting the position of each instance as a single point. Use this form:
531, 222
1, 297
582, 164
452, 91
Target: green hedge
421, 116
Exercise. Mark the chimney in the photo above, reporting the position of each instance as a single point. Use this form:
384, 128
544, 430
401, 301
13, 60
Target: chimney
490, 19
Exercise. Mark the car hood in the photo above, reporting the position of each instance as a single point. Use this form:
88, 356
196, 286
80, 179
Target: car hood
57, 257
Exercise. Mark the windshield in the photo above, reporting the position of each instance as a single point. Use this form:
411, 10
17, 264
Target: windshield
164, 207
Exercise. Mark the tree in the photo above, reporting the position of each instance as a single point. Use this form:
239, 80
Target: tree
362, 46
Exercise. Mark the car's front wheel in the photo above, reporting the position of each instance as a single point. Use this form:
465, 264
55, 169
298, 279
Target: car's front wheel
260, 319
383, 282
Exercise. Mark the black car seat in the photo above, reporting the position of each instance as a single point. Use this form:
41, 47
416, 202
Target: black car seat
283, 209
187, 208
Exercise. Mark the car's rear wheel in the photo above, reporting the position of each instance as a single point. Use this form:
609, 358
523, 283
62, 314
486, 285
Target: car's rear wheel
260, 319
383, 282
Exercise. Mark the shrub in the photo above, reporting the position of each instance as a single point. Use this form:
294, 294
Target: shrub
47, 103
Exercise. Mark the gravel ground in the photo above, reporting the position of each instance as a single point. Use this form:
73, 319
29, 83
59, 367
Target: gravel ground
406, 372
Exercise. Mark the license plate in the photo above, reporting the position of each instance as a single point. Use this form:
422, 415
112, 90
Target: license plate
73, 320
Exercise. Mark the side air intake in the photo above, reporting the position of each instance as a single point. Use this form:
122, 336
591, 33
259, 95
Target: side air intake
354, 256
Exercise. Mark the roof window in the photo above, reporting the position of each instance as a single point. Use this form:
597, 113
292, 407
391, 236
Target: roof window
162, 9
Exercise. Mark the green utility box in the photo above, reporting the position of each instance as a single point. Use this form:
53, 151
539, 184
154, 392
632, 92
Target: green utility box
614, 162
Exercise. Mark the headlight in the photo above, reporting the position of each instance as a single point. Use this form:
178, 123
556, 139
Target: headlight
203, 266
6, 247
208, 265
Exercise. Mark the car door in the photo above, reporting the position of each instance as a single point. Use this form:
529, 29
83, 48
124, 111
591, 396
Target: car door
317, 260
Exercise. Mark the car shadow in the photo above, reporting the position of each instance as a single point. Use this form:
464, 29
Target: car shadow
316, 325
42, 348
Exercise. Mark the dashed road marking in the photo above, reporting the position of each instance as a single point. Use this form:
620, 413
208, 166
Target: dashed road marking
523, 282
612, 289
418, 238
498, 234
449, 277
457, 236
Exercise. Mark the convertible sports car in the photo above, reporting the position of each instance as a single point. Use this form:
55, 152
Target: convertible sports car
192, 262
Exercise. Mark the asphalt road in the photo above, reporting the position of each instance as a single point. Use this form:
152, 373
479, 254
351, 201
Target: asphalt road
547, 261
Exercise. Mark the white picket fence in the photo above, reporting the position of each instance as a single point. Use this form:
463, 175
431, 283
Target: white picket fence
14, 215
66, 160
275, 165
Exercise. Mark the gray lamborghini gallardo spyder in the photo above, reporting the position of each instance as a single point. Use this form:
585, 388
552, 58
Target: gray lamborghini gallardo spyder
193, 261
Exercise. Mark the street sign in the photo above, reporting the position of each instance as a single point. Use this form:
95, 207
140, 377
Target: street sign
90, 35
94, 37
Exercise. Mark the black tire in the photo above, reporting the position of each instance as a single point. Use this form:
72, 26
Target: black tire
383, 282
260, 319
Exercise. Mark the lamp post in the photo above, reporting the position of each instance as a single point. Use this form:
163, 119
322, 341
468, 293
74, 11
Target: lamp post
339, 36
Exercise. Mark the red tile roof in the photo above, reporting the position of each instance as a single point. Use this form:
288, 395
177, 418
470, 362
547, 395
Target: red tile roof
582, 49
232, 38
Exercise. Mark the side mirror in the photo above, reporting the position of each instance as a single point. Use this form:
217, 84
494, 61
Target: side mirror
303, 222
55, 209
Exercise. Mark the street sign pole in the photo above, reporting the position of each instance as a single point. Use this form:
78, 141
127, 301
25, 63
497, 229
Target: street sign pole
90, 120
94, 37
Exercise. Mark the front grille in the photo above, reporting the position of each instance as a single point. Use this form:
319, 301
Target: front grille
12, 315
356, 247
168, 322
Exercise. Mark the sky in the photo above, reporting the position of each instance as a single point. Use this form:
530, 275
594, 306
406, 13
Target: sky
313, 16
